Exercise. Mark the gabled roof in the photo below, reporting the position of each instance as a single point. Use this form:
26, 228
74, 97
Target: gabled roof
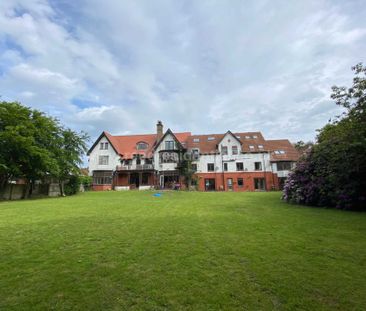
125, 145
106, 135
206, 145
175, 136
233, 135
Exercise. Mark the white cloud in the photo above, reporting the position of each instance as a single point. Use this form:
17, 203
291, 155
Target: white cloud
204, 66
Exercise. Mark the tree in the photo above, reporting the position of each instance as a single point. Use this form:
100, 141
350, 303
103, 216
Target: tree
186, 170
71, 146
334, 172
303, 147
35, 146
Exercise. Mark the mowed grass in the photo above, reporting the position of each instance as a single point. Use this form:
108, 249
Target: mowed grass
182, 251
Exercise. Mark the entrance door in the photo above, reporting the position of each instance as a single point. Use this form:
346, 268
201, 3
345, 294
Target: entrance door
135, 180
259, 184
210, 184
230, 184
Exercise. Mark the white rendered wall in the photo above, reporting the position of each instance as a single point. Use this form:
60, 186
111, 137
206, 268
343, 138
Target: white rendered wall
113, 160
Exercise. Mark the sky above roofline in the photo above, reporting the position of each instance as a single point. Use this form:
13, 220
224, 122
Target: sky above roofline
199, 66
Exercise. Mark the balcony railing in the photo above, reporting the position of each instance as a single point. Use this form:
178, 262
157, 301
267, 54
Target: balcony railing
137, 167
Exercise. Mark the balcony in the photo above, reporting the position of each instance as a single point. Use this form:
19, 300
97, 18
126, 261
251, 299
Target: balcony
137, 167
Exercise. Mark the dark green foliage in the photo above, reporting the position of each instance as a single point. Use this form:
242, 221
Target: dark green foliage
35, 146
333, 173
73, 185
86, 181
186, 170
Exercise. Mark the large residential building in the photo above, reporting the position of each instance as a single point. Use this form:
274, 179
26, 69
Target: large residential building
228, 161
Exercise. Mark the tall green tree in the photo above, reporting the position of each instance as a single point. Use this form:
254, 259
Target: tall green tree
334, 172
34, 146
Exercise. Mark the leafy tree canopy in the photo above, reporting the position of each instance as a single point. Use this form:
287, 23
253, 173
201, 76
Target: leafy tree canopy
334, 172
34, 145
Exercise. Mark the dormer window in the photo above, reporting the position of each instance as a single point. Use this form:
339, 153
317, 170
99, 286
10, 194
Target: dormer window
251, 147
255, 136
260, 146
196, 140
141, 145
210, 138
279, 152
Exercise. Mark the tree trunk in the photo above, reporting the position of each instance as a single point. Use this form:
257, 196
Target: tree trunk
11, 191
25, 190
61, 185
30, 188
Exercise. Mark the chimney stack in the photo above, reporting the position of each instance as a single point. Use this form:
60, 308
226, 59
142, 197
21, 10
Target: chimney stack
159, 130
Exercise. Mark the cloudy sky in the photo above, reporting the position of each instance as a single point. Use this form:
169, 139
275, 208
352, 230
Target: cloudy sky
203, 66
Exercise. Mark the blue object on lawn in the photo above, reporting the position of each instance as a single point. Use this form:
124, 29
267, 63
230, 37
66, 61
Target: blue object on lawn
157, 195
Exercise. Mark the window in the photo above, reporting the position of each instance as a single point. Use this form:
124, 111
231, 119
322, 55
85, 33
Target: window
259, 184
194, 167
238, 137
210, 138
255, 136
141, 146
258, 166
240, 182
168, 157
260, 146
138, 160
103, 146
196, 140
247, 137
210, 167
195, 154
148, 161
225, 167
224, 150
234, 149
102, 178
251, 147
169, 145
128, 162
145, 178
103, 160
283, 166
239, 166
279, 152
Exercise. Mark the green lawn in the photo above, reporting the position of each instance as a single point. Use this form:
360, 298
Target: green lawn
182, 251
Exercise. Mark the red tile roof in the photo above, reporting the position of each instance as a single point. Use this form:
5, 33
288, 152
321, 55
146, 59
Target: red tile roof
282, 150
126, 145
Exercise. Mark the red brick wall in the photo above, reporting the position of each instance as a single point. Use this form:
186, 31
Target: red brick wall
122, 180
102, 187
248, 178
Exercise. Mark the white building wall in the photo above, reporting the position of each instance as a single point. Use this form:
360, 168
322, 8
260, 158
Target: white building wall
113, 157
248, 159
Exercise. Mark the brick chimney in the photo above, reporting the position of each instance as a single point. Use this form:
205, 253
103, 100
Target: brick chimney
159, 130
